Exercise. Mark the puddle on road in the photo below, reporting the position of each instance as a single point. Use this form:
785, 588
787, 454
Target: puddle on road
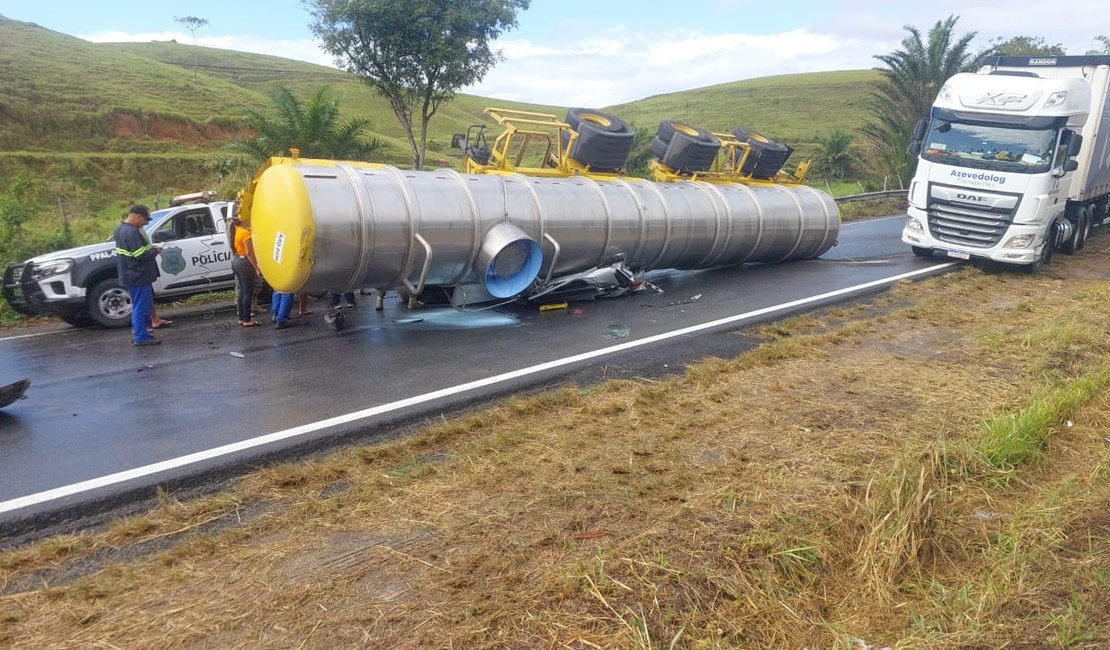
453, 319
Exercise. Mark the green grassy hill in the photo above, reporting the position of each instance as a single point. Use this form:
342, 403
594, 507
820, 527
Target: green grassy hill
62, 94
94, 126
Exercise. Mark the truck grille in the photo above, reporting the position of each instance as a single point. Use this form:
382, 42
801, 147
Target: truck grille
968, 218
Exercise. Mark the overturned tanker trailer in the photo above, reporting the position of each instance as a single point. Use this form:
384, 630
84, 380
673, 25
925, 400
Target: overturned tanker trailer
495, 233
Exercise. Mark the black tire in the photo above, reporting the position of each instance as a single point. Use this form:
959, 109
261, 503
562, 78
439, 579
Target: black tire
1046, 252
689, 154
1084, 232
922, 252
668, 128
600, 120
767, 156
658, 148
604, 141
1072, 245
109, 304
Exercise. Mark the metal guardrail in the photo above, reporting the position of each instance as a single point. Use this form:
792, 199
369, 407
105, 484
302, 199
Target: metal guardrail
887, 194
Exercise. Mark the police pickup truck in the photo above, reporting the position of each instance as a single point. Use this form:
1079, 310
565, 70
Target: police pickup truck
79, 285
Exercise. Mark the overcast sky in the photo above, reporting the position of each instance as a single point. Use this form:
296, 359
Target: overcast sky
603, 52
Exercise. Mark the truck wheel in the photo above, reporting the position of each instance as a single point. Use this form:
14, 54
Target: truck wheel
1075, 242
1046, 252
1084, 228
922, 252
110, 304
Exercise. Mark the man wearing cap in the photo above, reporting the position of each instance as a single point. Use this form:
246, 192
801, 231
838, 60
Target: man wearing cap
137, 268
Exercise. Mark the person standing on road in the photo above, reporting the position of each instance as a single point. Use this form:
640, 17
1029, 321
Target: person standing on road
137, 269
245, 267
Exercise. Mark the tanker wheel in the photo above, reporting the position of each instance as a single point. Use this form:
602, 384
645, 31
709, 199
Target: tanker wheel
602, 150
690, 154
767, 156
658, 148
668, 128
604, 140
602, 121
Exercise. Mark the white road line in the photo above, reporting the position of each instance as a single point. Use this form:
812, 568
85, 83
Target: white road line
277, 436
860, 222
30, 336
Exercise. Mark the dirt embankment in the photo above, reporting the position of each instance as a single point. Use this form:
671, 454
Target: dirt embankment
129, 125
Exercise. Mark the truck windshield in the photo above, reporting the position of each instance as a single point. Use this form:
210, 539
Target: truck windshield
1001, 148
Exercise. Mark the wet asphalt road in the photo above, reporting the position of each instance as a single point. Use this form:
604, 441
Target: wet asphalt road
103, 422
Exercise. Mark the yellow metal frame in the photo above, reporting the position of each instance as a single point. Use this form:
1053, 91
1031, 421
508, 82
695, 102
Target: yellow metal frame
726, 168
525, 133
541, 135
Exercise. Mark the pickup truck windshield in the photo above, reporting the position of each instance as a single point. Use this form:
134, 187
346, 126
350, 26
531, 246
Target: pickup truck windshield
1001, 148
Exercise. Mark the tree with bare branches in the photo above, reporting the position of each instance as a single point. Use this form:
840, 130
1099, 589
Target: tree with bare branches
192, 23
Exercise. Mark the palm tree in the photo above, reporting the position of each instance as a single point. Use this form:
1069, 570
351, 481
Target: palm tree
313, 128
911, 79
836, 153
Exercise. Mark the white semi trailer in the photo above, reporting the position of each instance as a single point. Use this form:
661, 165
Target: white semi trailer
1013, 161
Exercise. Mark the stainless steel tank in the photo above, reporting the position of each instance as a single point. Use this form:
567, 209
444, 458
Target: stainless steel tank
327, 225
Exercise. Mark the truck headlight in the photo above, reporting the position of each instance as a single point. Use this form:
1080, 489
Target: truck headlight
51, 268
914, 226
1020, 241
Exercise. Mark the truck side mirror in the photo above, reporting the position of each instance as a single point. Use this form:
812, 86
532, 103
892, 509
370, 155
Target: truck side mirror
1071, 164
458, 141
1075, 143
914, 148
919, 129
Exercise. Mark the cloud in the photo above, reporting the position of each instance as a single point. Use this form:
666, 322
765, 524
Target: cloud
619, 65
299, 49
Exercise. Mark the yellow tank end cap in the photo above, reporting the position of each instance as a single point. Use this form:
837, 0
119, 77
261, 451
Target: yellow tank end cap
283, 228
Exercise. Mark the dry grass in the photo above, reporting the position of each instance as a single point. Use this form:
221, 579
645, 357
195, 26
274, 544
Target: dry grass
929, 470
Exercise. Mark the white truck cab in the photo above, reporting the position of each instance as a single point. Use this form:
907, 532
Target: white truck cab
1012, 161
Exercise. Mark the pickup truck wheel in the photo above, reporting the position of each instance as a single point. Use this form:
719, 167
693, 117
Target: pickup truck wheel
110, 304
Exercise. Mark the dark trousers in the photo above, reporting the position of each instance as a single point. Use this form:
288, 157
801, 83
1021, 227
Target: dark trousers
244, 287
350, 296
